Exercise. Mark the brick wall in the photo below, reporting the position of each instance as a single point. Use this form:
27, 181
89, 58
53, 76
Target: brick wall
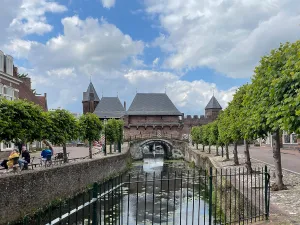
26, 192
152, 119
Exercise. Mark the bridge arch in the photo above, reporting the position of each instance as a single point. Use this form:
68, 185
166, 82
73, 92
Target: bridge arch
171, 149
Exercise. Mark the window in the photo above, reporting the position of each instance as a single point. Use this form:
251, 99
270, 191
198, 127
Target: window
7, 145
9, 64
16, 94
289, 138
1, 90
1, 61
8, 93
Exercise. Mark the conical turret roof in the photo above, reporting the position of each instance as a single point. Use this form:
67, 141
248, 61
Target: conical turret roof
91, 89
213, 104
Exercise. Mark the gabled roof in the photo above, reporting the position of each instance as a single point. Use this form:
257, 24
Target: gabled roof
86, 95
213, 104
26, 93
152, 104
110, 107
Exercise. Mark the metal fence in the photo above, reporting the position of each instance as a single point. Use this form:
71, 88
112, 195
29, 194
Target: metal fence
223, 196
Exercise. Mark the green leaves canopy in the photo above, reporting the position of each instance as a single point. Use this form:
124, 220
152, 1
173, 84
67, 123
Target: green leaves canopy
90, 127
63, 126
21, 120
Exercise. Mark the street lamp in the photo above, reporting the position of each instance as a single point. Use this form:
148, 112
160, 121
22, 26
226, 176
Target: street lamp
104, 149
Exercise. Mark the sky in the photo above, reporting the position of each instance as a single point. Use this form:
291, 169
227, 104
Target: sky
189, 49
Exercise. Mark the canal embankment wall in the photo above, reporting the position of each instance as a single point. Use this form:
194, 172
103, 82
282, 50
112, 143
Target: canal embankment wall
243, 201
25, 193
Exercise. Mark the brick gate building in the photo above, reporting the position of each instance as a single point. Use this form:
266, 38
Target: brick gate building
150, 114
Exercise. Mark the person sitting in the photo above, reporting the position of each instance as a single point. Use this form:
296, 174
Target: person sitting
4, 163
13, 158
23, 163
46, 155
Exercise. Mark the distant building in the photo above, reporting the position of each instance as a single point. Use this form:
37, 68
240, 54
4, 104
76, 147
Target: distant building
150, 114
14, 87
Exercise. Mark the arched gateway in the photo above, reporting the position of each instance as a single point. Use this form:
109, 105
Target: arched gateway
166, 148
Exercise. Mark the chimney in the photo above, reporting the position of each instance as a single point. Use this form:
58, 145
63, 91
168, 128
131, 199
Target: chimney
27, 81
15, 73
125, 105
45, 95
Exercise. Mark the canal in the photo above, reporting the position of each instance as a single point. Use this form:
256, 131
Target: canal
153, 191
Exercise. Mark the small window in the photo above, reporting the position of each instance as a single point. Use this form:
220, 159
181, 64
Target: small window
16, 94
1, 90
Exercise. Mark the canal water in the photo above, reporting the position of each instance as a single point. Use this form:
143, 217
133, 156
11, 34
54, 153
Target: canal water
154, 191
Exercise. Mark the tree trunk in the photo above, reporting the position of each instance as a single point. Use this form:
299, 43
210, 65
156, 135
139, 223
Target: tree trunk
209, 149
247, 157
110, 148
277, 162
217, 150
196, 146
65, 153
90, 150
235, 155
203, 148
227, 152
222, 148
119, 146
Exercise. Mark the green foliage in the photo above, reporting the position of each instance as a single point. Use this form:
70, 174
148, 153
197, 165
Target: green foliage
114, 130
196, 133
223, 124
213, 133
63, 126
90, 127
205, 134
21, 121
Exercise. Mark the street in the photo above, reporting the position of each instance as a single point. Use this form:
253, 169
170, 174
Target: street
290, 158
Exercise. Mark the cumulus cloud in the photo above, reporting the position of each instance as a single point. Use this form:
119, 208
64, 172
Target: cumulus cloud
155, 62
189, 97
108, 3
229, 36
31, 17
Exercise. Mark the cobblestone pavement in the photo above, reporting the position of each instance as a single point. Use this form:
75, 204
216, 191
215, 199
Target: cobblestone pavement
285, 205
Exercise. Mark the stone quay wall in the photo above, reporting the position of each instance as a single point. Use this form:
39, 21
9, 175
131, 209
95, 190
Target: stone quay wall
23, 194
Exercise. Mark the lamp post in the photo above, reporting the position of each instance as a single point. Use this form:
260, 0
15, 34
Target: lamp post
104, 149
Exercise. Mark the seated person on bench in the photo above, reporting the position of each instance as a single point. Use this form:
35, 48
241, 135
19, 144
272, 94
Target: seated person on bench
13, 158
46, 154
25, 159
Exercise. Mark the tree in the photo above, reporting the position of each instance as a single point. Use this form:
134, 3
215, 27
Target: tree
90, 128
195, 132
214, 135
268, 102
63, 127
21, 121
119, 136
205, 136
223, 124
111, 132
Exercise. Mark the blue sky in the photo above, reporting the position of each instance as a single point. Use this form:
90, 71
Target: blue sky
188, 48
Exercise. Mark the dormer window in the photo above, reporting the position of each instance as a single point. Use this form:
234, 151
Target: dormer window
9, 64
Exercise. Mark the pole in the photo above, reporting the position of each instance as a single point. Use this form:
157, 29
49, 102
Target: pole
210, 197
95, 196
266, 193
104, 149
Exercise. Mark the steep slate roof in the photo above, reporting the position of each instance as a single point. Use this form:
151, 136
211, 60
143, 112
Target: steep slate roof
109, 107
213, 104
152, 104
86, 95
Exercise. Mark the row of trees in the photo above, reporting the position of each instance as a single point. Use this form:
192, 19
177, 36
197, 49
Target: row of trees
269, 104
25, 122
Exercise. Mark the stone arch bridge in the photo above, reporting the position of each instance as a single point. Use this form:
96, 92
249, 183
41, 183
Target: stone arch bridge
170, 148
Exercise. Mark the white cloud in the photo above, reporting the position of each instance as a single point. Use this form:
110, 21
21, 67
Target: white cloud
64, 73
189, 97
155, 62
227, 35
31, 17
108, 3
